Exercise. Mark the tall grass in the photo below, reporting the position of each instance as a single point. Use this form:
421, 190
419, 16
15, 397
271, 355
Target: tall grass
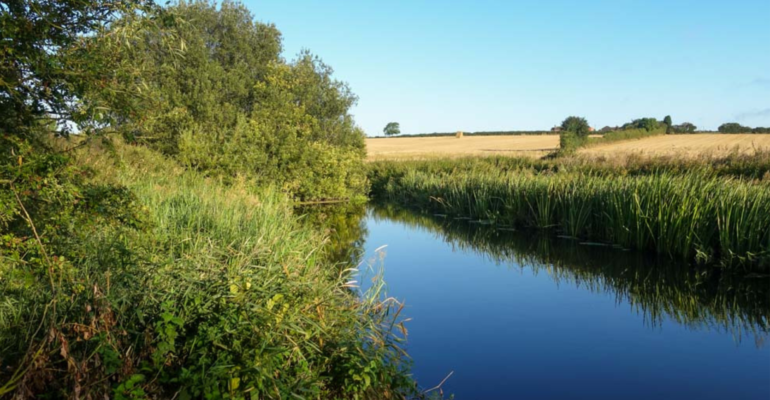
220, 293
685, 214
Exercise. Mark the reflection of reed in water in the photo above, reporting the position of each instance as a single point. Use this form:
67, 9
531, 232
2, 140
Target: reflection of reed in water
345, 229
656, 287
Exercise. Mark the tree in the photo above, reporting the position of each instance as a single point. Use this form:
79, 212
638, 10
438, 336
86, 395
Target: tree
234, 107
667, 121
733, 127
392, 128
577, 125
647, 124
685, 127
46, 65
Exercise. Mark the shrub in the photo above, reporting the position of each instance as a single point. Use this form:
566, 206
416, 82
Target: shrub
570, 141
733, 127
647, 124
227, 104
578, 125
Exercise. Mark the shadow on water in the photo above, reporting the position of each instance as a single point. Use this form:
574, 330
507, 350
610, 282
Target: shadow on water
655, 287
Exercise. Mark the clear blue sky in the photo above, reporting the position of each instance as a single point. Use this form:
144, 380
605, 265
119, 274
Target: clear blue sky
524, 65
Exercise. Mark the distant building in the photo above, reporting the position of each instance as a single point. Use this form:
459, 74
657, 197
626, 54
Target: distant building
556, 129
590, 129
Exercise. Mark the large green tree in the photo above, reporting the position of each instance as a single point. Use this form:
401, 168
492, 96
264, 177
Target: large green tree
230, 105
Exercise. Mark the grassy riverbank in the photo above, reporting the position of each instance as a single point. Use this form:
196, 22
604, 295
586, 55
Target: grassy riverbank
709, 211
197, 289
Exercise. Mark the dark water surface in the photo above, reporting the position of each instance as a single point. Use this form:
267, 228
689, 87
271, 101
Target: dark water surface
516, 315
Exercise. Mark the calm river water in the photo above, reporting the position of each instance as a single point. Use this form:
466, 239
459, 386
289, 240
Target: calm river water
516, 315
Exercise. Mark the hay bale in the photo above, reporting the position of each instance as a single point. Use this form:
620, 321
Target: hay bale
459, 134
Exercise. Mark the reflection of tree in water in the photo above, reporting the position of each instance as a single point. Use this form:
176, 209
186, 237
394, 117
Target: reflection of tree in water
345, 227
708, 299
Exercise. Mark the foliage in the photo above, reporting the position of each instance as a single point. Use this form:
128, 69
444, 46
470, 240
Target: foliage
187, 287
685, 127
689, 214
733, 127
570, 141
229, 105
578, 125
142, 280
668, 123
46, 65
392, 128
648, 124
625, 134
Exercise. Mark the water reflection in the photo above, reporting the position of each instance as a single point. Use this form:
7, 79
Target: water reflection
345, 227
656, 288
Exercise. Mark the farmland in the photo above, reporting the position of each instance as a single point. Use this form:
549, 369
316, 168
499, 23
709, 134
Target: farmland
685, 145
431, 147
540, 145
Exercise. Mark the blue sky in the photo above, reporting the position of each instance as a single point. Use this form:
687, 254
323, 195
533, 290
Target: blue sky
437, 66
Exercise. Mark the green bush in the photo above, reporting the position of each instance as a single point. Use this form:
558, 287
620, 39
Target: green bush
227, 104
155, 281
570, 141
577, 125
733, 127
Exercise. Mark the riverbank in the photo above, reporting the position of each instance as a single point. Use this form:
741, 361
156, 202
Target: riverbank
175, 284
709, 211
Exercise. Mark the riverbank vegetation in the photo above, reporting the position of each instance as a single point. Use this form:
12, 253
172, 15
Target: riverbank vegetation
707, 211
149, 161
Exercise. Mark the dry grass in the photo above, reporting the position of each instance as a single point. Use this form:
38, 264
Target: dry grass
435, 147
405, 148
684, 145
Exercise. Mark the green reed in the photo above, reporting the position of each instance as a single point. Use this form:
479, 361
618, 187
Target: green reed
697, 214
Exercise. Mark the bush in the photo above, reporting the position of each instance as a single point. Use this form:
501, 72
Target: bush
227, 104
733, 127
648, 124
685, 127
155, 281
570, 141
577, 125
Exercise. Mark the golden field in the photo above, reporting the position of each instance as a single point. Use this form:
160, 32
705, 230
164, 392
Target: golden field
540, 145
450, 146
685, 145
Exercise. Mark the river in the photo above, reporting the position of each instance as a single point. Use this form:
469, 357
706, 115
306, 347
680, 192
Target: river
522, 314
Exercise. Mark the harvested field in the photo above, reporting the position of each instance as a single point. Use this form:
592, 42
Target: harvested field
541, 145
434, 147
685, 145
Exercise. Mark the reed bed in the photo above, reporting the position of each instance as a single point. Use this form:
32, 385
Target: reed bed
702, 214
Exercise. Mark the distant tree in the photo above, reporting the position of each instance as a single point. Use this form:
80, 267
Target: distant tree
667, 121
761, 129
647, 124
392, 128
733, 127
577, 125
684, 127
